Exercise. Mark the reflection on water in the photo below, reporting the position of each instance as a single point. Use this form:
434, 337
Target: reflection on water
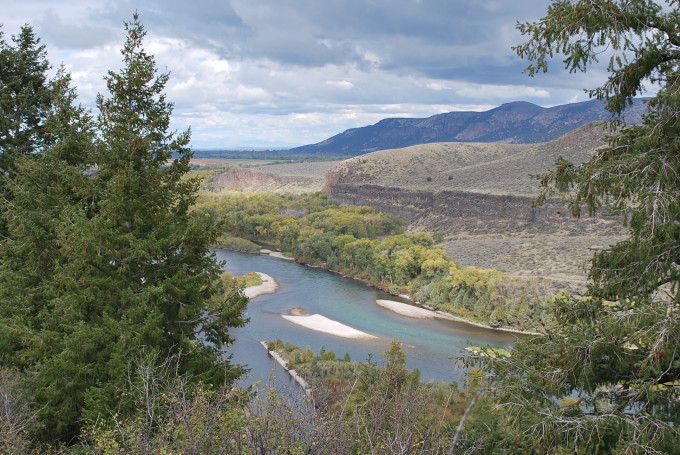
429, 344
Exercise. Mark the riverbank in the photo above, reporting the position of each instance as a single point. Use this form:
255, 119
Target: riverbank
276, 254
439, 314
423, 312
429, 343
268, 286
293, 374
414, 306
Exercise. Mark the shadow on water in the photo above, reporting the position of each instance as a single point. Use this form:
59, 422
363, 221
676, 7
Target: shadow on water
430, 344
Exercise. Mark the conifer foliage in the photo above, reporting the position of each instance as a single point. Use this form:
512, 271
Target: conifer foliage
104, 260
607, 380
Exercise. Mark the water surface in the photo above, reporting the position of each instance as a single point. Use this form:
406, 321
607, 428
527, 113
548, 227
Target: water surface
429, 344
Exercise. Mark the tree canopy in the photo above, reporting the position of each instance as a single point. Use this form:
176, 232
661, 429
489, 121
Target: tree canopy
606, 380
103, 260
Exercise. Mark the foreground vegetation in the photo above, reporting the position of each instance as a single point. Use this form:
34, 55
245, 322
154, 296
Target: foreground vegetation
369, 246
616, 351
101, 257
355, 408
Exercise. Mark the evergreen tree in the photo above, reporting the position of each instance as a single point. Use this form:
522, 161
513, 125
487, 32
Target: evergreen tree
107, 261
606, 381
25, 98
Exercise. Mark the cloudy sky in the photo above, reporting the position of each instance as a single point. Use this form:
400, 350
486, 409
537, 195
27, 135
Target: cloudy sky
282, 73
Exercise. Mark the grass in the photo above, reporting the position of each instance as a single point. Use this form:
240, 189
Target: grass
252, 279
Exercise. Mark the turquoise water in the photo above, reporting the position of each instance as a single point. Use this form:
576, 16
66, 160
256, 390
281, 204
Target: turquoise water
430, 345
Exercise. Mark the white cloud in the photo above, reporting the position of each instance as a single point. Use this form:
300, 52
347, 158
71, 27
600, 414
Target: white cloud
490, 91
289, 73
345, 85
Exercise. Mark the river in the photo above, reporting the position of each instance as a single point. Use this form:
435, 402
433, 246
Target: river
428, 343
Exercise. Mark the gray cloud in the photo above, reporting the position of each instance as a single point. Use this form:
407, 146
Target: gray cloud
302, 70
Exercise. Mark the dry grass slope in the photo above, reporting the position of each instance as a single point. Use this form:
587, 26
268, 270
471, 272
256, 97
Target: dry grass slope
490, 168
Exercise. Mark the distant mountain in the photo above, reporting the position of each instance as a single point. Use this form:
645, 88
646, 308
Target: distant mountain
512, 123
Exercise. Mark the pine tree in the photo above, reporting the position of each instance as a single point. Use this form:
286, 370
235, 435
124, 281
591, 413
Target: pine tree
606, 381
105, 259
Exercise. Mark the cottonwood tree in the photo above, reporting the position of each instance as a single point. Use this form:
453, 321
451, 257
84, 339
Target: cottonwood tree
608, 380
105, 257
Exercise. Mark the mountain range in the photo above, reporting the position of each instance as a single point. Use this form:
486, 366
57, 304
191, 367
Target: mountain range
518, 122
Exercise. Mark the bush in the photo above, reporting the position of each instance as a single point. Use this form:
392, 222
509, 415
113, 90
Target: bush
237, 244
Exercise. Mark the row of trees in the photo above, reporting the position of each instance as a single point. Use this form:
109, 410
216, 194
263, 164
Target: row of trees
360, 243
100, 256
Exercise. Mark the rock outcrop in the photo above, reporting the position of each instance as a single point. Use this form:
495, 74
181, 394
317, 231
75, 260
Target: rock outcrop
243, 179
468, 212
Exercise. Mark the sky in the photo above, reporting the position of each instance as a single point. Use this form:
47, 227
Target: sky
283, 73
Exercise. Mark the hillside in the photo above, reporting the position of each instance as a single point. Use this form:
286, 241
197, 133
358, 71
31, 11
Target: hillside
512, 123
489, 168
480, 196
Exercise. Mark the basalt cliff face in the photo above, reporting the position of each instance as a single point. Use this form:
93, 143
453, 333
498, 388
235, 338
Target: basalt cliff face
468, 212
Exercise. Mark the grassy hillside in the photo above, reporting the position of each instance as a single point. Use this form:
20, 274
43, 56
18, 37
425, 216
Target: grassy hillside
490, 168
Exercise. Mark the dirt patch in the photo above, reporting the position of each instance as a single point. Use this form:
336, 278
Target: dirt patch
562, 256
289, 177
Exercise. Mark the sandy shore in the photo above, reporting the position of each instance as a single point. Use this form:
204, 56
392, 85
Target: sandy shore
268, 286
323, 324
275, 254
407, 310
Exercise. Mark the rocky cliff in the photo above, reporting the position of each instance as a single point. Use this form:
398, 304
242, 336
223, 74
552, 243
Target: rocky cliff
244, 179
468, 212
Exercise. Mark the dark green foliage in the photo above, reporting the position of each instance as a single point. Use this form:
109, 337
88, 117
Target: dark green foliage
610, 367
99, 265
25, 97
237, 244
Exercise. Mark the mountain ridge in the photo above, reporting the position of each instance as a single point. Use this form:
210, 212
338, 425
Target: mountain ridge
518, 122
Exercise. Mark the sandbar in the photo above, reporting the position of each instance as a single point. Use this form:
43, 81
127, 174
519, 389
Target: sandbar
323, 324
407, 310
424, 313
275, 254
268, 286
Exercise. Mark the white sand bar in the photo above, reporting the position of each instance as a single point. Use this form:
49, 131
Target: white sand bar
407, 310
268, 286
323, 324
276, 254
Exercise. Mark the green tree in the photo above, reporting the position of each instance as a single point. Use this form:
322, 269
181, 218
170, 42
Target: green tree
102, 264
25, 100
616, 350
25, 96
